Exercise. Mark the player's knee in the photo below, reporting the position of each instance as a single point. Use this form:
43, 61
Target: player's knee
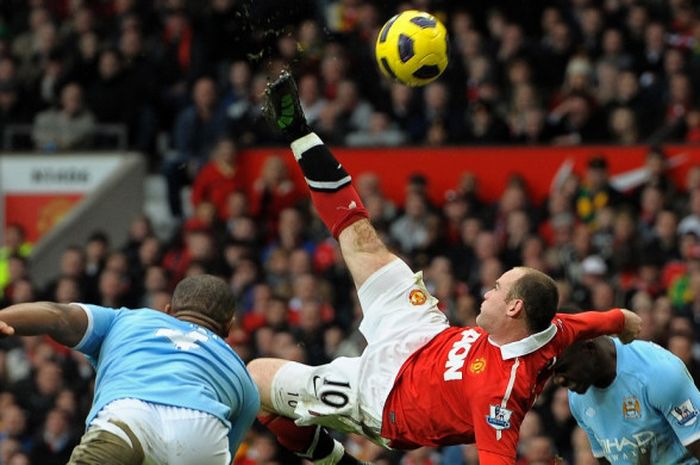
263, 371
256, 369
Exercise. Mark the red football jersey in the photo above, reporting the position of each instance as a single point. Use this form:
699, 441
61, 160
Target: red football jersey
462, 388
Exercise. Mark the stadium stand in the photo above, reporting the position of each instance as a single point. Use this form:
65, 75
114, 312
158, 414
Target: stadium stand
174, 77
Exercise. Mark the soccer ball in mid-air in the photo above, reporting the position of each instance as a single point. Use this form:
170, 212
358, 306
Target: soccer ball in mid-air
412, 48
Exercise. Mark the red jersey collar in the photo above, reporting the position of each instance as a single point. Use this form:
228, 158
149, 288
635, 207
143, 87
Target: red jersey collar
526, 345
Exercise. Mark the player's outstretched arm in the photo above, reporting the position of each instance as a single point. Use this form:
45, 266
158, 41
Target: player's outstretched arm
588, 325
632, 326
65, 323
332, 192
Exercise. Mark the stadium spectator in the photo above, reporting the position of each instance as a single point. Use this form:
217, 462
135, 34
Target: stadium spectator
70, 127
12, 109
410, 230
345, 113
140, 228
56, 440
23, 45
112, 99
96, 252
383, 412
218, 178
197, 129
603, 372
595, 192
180, 57
67, 291
14, 426
310, 95
623, 128
17, 272
237, 88
272, 192
484, 125
381, 132
72, 265
575, 121
134, 402
150, 253
14, 244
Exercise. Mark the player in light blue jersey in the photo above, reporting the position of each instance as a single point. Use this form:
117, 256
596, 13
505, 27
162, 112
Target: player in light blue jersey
636, 402
168, 389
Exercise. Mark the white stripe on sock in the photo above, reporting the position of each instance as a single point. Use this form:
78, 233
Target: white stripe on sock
328, 185
304, 143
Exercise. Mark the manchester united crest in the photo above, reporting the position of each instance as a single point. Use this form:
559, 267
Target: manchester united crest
478, 366
417, 297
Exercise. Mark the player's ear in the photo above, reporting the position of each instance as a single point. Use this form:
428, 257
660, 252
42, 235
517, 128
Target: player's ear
516, 309
229, 326
589, 346
168, 309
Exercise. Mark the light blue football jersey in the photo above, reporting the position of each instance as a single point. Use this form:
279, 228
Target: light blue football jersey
150, 356
647, 415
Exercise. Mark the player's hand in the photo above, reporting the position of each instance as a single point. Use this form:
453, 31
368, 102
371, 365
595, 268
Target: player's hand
6, 330
633, 324
282, 109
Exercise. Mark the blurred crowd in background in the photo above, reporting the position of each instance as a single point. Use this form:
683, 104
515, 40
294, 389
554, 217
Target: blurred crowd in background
185, 79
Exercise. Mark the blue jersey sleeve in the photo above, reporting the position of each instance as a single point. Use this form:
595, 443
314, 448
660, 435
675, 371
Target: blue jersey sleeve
99, 321
677, 399
595, 445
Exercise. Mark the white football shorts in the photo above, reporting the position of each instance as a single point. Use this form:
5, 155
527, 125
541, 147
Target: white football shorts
168, 435
348, 394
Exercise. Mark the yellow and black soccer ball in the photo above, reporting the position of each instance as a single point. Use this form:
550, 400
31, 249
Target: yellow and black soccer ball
412, 48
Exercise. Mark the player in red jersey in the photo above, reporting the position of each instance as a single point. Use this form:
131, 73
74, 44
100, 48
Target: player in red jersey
419, 382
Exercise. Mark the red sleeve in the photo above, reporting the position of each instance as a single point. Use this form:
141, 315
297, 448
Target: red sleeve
255, 199
198, 187
588, 325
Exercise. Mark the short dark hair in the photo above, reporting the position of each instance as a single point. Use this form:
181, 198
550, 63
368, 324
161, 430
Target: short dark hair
205, 294
98, 236
598, 162
540, 297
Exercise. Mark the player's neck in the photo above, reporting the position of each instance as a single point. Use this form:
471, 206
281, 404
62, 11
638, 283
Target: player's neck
201, 320
510, 334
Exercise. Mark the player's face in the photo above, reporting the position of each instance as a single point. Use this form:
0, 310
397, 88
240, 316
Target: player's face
494, 306
576, 372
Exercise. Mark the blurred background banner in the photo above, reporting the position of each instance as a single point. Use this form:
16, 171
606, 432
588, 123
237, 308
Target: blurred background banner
540, 167
38, 191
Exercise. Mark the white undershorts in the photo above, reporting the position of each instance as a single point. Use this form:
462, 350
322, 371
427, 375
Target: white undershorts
348, 394
168, 435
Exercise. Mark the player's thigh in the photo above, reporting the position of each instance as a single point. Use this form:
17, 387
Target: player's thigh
397, 305
99, 446
263, 372
192, 437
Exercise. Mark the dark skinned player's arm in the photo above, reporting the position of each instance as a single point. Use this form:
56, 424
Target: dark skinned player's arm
65, 323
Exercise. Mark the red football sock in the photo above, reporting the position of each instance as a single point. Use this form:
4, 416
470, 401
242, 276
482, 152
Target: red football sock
311, 441
339, 209
332, 192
